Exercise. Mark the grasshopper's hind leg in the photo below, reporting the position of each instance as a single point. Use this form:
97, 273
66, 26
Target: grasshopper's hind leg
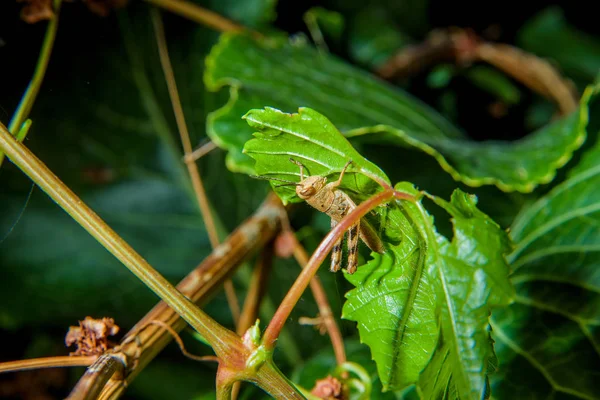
336, 253
353, 235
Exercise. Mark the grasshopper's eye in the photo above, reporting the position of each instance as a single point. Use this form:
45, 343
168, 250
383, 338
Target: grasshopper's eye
307, 191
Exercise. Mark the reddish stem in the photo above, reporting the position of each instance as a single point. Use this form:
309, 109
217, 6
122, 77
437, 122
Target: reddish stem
323, 303
303, 280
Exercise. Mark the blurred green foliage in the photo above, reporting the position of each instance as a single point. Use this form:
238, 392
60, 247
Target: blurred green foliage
104, 125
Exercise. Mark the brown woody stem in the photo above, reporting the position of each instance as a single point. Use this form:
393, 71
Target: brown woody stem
96, 376
146, 340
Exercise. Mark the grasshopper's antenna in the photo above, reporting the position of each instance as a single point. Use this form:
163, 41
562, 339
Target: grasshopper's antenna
266, 178
298, 163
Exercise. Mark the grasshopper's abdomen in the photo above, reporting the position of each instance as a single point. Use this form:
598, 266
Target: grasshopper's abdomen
340, 205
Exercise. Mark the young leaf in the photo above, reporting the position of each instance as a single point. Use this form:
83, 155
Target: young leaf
423, 308
472, 278
548, 341
310, 138
291, 75
394, 305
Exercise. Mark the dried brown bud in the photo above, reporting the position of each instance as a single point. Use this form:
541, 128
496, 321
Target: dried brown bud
36, 10
330, 388
285, 243
91, 336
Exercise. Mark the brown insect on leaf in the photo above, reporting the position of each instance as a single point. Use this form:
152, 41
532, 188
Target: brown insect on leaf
91, 336
328, 198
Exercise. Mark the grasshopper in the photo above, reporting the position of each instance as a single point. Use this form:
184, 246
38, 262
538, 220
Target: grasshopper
327, 198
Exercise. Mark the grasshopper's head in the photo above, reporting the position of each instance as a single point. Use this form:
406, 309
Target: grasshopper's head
310, 186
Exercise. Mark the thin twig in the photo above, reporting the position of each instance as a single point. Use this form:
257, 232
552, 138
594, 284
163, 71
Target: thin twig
33, 88
465, 47
177, 339
198, 14
195, 177
200, 152
256, 291
325, 312
46, 362
142, 345
224, 342
532, 71
293, 295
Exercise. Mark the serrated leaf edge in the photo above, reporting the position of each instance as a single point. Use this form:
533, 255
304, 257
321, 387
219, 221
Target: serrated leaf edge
506, 187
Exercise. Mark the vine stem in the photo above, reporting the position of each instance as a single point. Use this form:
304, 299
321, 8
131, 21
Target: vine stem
47, 362
26, 103
303, 280
226, 344
337, 342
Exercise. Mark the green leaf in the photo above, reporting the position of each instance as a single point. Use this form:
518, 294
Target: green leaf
472, 278
288, 75
423, 308
394, 306
310, 138
548, 341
